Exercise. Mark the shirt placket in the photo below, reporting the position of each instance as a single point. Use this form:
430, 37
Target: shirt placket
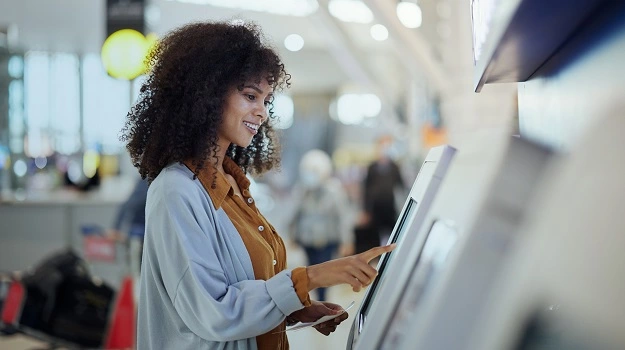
261, 227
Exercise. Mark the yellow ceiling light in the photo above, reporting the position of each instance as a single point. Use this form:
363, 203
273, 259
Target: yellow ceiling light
123, 54
151, 41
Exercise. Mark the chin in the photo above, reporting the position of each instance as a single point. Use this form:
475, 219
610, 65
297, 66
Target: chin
243, 144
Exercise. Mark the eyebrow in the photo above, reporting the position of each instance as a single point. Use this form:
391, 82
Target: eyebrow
258, 90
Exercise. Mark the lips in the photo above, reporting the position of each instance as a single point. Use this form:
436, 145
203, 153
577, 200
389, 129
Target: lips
253, 128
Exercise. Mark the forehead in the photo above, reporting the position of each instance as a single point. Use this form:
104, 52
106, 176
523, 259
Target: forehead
261, 85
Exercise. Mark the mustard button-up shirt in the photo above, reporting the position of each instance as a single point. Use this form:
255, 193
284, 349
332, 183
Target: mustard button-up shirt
263, 243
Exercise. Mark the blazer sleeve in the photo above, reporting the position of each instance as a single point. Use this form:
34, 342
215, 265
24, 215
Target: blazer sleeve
208, 303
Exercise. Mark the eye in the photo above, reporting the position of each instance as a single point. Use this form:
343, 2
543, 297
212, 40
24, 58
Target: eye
267, 103
251, 97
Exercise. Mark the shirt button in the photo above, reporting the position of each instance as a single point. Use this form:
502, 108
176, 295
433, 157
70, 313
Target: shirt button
250, 200
274, 263
261, 228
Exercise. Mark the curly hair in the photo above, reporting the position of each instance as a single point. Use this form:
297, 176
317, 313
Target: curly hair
181, 103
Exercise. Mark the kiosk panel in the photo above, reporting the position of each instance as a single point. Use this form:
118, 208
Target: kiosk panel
410, 219
472, 268
563, 285
453, 213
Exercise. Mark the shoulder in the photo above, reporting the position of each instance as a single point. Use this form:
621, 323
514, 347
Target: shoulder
174, 181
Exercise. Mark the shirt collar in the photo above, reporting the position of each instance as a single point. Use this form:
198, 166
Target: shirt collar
222, 186
230, 167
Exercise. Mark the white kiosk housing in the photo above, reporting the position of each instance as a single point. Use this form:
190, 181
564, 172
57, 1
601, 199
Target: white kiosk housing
446, 319
485, 190
405, 231
564, 286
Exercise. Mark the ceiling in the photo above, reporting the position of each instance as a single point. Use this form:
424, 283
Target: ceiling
335, 54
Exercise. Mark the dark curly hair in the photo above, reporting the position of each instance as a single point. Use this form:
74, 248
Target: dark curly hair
180, 104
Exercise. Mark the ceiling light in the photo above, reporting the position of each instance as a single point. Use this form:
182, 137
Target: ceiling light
379, 32
371, 105
409, 14
294, 42
354, 109
299, 8
283, 109
20, 168
350, 11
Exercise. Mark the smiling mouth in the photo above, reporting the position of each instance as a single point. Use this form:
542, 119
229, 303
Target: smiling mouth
253, 128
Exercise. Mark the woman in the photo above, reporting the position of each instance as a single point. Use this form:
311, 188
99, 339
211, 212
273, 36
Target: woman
214, 270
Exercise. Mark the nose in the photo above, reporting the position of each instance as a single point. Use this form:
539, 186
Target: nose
262, 112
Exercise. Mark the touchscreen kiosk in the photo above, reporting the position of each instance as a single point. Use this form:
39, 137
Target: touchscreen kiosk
451, 215
564, 285
417, 204
446, 319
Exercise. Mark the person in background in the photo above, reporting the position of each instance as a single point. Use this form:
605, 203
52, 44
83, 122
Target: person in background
321, 221
383, 178
214, 271
130, 224
130, 216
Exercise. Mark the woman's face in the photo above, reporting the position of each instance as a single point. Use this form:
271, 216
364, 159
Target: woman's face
244, 112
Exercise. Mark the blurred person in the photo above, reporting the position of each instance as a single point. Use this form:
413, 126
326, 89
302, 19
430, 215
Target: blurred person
214, 270
383, 178
130, 224
130, 217
320, 223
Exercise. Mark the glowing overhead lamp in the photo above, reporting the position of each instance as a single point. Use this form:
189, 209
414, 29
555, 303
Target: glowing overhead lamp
283, 109
350, 11
409, 14
294, 42
379, 32
20, 168
354, 109
123, 54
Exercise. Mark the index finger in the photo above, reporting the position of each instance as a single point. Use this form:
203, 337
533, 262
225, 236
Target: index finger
377, 251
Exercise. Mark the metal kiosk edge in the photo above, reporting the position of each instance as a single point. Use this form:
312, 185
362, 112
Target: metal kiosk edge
453, 212
563, 287
417, 204
474, 264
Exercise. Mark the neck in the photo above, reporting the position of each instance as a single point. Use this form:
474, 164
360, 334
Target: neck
218, 160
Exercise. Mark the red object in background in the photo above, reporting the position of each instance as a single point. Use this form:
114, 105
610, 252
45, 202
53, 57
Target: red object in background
121, 334
99, 248
13, 303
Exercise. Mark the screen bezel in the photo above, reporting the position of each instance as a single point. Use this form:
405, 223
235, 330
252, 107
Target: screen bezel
399, 230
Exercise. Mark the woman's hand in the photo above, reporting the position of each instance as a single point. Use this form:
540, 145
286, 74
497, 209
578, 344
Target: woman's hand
315, 311
354, 270
320, 309
329, 326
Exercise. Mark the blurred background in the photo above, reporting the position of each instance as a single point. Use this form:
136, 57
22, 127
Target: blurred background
362, 71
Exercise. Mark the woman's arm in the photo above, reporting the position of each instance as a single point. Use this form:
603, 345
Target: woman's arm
192, 259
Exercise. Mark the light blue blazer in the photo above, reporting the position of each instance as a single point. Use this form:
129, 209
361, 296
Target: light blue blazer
197, 282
